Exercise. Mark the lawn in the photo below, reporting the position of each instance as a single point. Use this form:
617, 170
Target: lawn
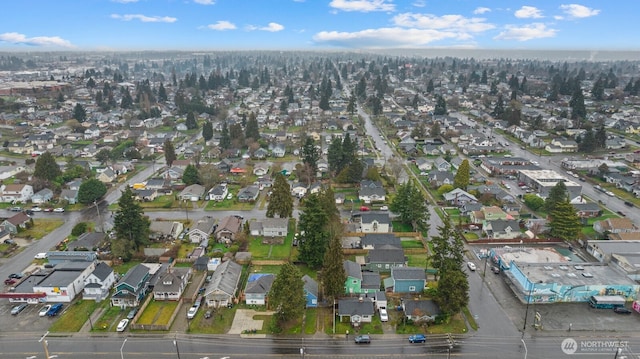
219, 323
411, 244
41, 227
456, 325
310, 321
108, 319
74, 316
401, 227
124, 267
160, 202
417, 260
229, 205
157, 313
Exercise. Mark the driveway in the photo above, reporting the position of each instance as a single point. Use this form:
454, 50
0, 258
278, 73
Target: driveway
244, 321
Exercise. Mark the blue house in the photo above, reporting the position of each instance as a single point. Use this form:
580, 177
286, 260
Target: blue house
132, 288
407, 280
310, 291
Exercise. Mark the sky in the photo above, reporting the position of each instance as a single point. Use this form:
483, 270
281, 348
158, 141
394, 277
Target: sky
106, 25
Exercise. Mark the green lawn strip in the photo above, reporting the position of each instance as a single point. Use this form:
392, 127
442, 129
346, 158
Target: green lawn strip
470, 319
310, 321
41, 227
258, 249
108, 318
219, 323
401, 227
417, 260
124, 267
74, 317
411, 244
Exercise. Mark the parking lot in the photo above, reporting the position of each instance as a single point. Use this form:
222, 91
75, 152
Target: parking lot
27, 321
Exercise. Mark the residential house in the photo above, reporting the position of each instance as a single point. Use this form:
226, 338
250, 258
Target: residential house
615, 225
270, 227
222, 288
562, 145
310, 291
227, 229
424, 164
370, 184
16, 193
145, 195
370, 282
376, 240
257, 288
355, 310
218, 193
422, 310
132, 288
248, 194
261, 169
107, 175
156, 183
172, 173
385, 258
165, 230
375, 222
42, 196
502, 229
587, 210
16, 222
260, 153
440, 164
369, 195
193, 193
279, 150
458, 197
353, 283
298, 190
98, 284
488, 213
171, 284
202, 230
407, 280
439, 178
87, 241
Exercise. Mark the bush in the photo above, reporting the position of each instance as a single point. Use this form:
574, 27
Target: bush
79, 228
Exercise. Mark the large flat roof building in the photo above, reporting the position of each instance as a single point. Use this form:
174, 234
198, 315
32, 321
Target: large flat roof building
541, 181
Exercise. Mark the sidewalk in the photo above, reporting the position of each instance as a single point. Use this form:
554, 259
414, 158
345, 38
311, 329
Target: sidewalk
93, 318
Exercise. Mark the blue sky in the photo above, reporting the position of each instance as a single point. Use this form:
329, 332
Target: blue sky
30, 25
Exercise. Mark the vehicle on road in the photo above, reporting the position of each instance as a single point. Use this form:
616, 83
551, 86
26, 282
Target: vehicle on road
606, 301
471, 266
16, 209
48, 210
54, 310
622, 310
9, 281
362, 339
495, 270
36, 209
15, 276
43, 312
58, 210
417, 338
192, 312
384, 316
628, 204
42, 255
18, 308
122, 325
621, 213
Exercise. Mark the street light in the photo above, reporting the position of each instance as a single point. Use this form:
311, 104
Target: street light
121, 348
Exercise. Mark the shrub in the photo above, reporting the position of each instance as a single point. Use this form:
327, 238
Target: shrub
79, 228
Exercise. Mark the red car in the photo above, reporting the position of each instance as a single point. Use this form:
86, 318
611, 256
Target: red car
9, 281
364, 208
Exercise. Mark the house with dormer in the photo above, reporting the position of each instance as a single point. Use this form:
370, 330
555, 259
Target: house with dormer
202, 229
171, 284
16, 193
257, 288
501, 229
227, 229
132, 288
223, 286
98, 284
375, 222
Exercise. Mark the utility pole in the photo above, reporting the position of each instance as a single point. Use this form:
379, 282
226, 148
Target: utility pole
45, 345
99, 218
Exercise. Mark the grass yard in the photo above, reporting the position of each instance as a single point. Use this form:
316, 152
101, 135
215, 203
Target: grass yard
265, 269
310, 321
401, 227
219, 323
160, 202
108, 319
157, 313
411, 244
41, 227
123, 268
228, 205
417, 260
74, 316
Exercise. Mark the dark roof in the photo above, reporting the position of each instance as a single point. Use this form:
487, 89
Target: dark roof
260, 285
500, 225
135, 275
310, 285
424, 306
18, 218
355, 307
591, 206
380, 217
379, 239
408, 273
370, 280
102, 271
386, 254
87, 240
352, 269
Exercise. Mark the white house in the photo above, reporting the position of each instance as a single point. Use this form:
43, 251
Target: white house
16, 193
98, 284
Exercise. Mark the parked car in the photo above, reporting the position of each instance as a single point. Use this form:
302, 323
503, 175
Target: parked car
384, 208
48, 209
9, 281
364, 208
495, 270
471, 266
9, 241
122, 325
18, 308
43, 312
58, 210
41, 255
384, 317
15, 276
132, 313
36, 209
207, 314
54, 310
16, 209
192, 312
621, 310
362, 339
417, 338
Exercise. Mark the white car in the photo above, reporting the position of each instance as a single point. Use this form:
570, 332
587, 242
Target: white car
42, 255
44, 310
58, 210
471, 266
192, 312
122, 325
384, 208
384, 317
36, 209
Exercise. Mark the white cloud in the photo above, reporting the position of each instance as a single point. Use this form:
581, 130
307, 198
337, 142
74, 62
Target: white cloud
578, 11
144, 18
124, 1
222, 26
362, 5
204, 2
21, 39
481, 10
526, 32
271, 27
457, 23
419, 3
558, 17
528, 12
386, 37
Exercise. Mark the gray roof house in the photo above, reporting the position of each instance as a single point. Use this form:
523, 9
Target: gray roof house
502, 229
171, 284
42, 196
69, 195
368, 194
256, 290
248, 194
98, 284
384, 258
221, 290
376, 240
194, 193
420, 310
356, 310
202, 230
270, 227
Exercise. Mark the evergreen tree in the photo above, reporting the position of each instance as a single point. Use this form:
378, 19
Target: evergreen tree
129, 222
351, 106
588, 142
409, 204
448, 249
441, 106
310, 155
207, 131
286, 296
91, 190
430, 86
46, 167
597, 91
79, 113
191, 121
333, 273
162, 94
601, 136
225, 139
334, 155
127, 100
557, 194
461, 179
498, 110
280, 201
435, 129
578, 110
314, 236
483, 79
252, 131
190, 175
169, 152
565, 223
453, 291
